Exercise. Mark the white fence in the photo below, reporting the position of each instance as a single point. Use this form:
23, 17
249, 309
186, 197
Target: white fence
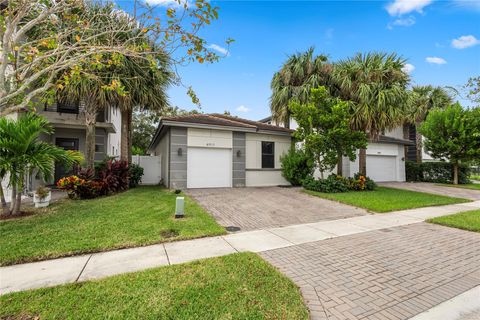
152, 172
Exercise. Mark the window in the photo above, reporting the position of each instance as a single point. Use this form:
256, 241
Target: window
268, 154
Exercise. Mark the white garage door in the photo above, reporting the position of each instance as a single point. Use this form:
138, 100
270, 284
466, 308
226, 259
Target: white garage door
382, 168
209, 168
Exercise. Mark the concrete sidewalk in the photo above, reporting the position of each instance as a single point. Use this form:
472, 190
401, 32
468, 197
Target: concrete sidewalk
99, 265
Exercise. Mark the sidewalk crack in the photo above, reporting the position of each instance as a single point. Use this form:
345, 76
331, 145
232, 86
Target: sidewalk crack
83, 269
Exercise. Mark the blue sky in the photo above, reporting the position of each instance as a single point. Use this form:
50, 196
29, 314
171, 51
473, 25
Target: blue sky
440, 39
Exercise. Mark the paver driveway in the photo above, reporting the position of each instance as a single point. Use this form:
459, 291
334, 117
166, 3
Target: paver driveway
391, 273
259, 208
435, 189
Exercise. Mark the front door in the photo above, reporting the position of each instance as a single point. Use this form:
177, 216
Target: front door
66, 144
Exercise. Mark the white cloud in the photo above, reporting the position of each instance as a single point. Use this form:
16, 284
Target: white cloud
406, 22
408, 68
400, 7
219, 49
435, 60
169, 3
465, 42
243, 109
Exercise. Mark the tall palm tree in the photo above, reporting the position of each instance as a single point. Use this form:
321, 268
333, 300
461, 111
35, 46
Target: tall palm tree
145, 89
423, 99
298, 75
375, 86
23, 152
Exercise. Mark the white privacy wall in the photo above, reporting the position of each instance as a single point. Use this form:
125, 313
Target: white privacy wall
255, 175
151, 165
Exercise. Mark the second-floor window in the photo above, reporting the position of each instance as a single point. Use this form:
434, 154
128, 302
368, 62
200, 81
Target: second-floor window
268, 155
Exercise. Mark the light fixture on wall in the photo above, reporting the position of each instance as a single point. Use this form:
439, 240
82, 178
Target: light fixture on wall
239, 153
179, 152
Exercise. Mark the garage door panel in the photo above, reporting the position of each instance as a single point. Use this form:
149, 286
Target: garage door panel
382, 168
209, 168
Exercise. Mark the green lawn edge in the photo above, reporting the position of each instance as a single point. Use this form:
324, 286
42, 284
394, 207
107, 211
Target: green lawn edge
466, 220
236, 286
386, 199
129, 219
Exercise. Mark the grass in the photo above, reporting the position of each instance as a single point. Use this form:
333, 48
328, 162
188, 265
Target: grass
385, 199
468, 220
237, 286
475, 177
471, 186
141, 216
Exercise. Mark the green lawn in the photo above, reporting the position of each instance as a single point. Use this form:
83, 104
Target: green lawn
140, 216
468, 220
385, 199
237, 286
472, 186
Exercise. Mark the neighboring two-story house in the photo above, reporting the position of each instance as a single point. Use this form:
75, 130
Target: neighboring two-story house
68, 121
385, 157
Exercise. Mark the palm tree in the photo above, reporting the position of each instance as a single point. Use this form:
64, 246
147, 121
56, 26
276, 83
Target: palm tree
23, 153
298, 75
423, 99
145, 89
375, 86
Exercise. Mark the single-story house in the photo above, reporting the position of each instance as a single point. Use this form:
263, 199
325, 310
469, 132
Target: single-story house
216, 150
385, 156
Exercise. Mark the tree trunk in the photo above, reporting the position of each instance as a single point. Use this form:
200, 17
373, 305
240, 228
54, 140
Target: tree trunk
418, 143
362, 162
5, 209
455, 173
18, 199
13, 197
124, 136
287, 120
129, 151
340, 165
90, 122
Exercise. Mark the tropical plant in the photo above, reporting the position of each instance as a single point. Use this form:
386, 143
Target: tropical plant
423, 99
135, 173
374, 84
453, 134
296, 166
23, 153
294, 81
324, 127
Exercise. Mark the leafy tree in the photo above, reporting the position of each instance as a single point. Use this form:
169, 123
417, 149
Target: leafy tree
375, 87
423, 99
294, 81
453, 134
42, 39
23, 153
144, 126
324, 127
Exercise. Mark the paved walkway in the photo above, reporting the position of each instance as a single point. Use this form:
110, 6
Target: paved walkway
435, 189
268, 207
98, 265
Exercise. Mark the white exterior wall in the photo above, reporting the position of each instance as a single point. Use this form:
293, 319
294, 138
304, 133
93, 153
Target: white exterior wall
255, 175
209, 138
113, 140
162, 150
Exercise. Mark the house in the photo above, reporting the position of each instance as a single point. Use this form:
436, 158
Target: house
216, 150
68, 121
385, 157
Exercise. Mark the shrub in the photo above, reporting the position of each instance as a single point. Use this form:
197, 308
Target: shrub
437, 172
332, 184
78, 188
335, 184
114, 174
361, 183
135, 173
296, 166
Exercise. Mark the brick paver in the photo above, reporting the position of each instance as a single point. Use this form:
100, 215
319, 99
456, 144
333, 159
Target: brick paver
391, 274
260, 208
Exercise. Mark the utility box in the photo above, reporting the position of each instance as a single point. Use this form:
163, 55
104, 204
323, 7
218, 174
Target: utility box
180, 207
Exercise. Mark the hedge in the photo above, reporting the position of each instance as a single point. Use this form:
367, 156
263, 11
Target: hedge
438, 172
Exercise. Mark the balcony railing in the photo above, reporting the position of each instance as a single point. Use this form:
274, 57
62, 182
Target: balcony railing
74, 109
